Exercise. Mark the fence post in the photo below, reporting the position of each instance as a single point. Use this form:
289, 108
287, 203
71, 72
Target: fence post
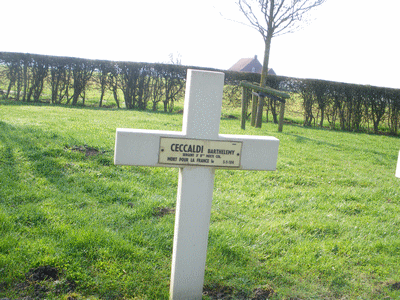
253, 109
281, 115
259, 93
244, 108
260, 107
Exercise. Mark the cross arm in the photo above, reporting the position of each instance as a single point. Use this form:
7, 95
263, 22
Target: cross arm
258, 152
138, 147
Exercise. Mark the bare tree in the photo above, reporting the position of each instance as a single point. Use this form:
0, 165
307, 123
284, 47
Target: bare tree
273, 18
82, 71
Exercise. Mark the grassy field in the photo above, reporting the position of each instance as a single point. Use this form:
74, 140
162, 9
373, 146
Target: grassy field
325, 225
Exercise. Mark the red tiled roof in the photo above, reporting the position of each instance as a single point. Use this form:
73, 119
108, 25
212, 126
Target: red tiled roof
241, 64
249, 65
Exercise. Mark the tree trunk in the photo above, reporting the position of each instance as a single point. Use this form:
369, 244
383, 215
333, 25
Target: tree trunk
321, 124
264, 74
9, 89
166, 105
115, 93
25, 80
19, 84
101, 97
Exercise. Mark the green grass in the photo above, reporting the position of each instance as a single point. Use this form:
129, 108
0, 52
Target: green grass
325, 225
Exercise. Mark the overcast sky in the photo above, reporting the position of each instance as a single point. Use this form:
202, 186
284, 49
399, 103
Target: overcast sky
352, 41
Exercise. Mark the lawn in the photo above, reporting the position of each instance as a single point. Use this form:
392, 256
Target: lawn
324, 225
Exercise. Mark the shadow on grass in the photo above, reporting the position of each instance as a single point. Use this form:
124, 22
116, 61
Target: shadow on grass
7, 158
35, 164
85, 107
25, 157
299, 139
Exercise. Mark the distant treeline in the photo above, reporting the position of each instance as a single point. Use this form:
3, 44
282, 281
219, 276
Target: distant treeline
352, 107
146, 85
143, 85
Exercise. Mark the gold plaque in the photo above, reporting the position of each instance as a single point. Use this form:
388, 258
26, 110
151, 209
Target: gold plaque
194, 152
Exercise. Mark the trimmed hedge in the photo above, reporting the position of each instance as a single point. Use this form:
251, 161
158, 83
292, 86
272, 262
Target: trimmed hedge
68, 79
351, 107
145, 85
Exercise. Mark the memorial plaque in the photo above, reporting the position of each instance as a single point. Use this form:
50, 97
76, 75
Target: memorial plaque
195, 152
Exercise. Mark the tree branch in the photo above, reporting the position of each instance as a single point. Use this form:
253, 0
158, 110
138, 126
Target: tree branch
251, 17
279, 16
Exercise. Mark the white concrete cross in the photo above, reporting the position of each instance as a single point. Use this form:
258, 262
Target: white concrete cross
398, 167
197, 150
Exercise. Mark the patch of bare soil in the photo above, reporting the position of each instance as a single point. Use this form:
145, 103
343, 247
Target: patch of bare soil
218, 292
89, 151
162, 211
42, 273
232, 117
35, 277
395, 286
41, 281
263, 293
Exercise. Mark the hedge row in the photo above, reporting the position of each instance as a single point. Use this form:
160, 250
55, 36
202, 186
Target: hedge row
338, 105
145, 85
349, 106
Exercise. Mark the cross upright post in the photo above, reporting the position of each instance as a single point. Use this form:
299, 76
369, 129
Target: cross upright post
197, 150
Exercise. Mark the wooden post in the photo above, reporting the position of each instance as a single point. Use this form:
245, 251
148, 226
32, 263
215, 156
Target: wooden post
244, 109
260, 108
281, 115
253, 109
270, 93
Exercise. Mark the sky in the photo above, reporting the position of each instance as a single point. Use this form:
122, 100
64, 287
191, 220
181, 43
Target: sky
354, 41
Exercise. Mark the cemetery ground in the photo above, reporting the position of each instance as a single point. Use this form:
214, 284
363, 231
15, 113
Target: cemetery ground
324, 225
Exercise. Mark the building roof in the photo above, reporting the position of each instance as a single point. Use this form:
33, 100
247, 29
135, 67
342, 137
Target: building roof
250, 65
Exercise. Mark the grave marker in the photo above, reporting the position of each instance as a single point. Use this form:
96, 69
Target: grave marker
398, 167
197, 150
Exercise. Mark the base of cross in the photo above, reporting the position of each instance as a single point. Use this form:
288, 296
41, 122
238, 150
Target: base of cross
398, 167
197, 150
